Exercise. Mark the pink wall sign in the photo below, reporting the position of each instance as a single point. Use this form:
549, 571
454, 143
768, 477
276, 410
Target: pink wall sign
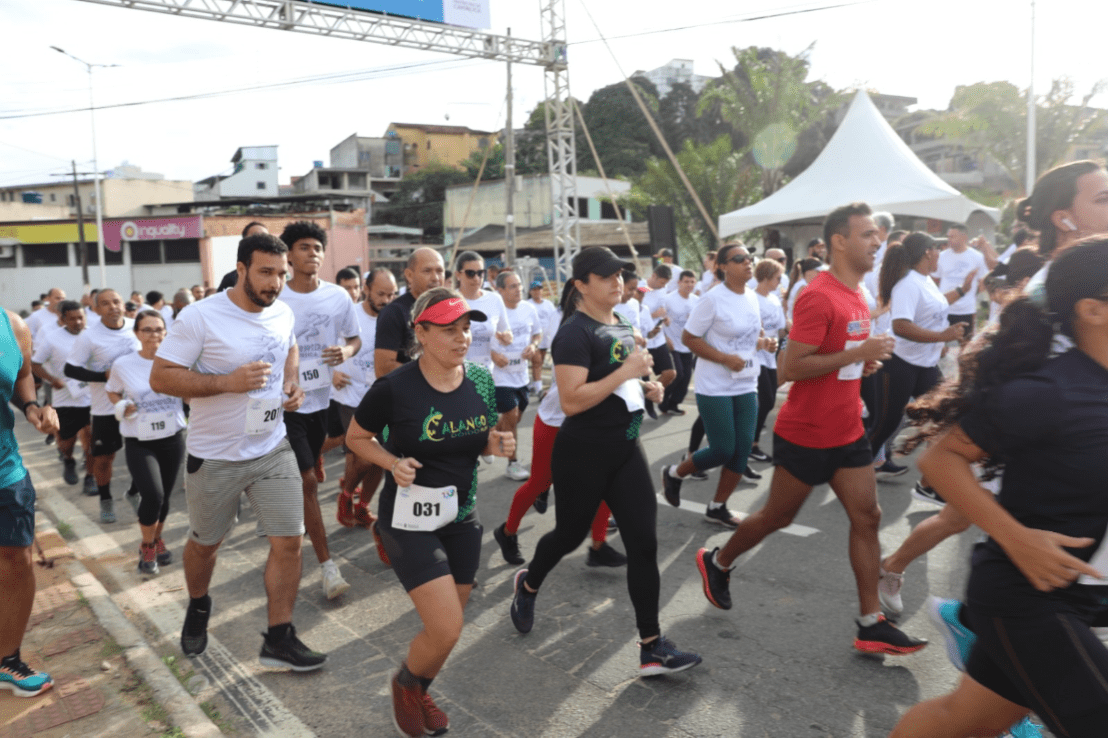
151, 229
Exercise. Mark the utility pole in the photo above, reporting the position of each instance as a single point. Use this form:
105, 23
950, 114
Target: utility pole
510, 178
81, 231
1029, 175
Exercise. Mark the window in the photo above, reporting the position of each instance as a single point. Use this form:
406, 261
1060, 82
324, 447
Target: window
261, 185
145, 252
182, 251
45, 255
356, 180
110, 257
260, 165
7, 257
428, 143
53, 197
72, 201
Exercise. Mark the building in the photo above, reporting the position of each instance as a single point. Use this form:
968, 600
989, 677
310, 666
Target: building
674, 72
533, 205
253, 173
424, 144
126, 191
382, 158
363, 171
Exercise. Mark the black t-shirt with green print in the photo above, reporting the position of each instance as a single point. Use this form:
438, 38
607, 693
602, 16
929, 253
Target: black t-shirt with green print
445, 432
585, 342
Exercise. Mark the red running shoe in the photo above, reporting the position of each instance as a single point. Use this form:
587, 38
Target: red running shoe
435, 722
362, 516
407, 708
344, 512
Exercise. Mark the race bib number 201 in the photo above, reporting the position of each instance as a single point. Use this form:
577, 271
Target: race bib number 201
262, 416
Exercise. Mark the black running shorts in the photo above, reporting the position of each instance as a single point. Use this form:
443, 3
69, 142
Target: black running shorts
817, 466
306, 432
418, 557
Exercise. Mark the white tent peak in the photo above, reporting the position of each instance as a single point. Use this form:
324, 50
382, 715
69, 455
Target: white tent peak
865, 160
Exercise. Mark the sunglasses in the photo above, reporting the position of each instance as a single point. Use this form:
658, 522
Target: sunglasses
471, 273
739, 259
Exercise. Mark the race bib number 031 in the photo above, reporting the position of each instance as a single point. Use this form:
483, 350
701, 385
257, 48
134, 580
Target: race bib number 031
419, 508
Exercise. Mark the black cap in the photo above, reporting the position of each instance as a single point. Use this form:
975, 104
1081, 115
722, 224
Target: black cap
598, 260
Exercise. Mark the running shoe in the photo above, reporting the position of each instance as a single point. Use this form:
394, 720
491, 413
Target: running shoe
653, 414
509, 545
148, 559
759, 456
927, 494
380, 545
344, 511
164, 556
542, 502
1026, 729
671, 486
884, 638
362, 516
523, 605
888, 591
49, 440
516, 471
674, 412
25, 682
613, 527
132, 496
333, 583
435, 722
889, 469
90, 488
959, 640
661, 657
69, 471
696, 474
407, 708
722, 516
107, 511
291, 653
194, 633
717, 581
749, 474
320, 473
606, 556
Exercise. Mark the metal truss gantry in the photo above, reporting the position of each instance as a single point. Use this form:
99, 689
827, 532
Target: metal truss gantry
355, 25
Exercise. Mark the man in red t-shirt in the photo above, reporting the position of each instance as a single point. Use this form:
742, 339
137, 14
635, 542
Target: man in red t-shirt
819, 436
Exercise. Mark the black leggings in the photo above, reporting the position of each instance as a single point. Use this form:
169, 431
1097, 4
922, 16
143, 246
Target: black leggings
767, 397
615, 472
154, 466
898, 383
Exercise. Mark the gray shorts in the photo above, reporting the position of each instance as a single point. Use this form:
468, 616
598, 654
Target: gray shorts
272, 484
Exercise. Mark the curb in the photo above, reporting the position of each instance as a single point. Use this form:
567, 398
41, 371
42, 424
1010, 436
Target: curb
178, 703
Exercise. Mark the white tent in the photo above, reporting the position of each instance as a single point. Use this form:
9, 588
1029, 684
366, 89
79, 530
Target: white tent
865, 160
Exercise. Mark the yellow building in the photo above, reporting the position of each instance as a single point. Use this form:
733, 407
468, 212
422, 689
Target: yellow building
425, 144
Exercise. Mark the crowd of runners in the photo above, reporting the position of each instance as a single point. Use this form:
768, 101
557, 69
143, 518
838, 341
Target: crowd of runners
248, 387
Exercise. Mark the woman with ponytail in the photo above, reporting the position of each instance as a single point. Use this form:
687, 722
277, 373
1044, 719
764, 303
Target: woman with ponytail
1036, 585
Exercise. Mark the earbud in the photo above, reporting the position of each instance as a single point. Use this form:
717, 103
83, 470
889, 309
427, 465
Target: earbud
1069, 224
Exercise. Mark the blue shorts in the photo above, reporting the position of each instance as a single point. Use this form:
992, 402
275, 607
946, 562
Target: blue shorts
510, 398
17, 514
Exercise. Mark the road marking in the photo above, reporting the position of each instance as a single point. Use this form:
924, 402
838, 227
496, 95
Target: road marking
700, 509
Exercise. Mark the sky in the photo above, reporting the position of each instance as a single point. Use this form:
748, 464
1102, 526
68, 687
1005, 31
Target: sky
305, 93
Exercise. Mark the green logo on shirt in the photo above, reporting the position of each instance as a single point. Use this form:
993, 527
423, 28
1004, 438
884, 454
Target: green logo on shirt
436, 428
619, 351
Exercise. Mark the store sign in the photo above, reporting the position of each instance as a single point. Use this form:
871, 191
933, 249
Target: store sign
47, 233
467, 13
150, 229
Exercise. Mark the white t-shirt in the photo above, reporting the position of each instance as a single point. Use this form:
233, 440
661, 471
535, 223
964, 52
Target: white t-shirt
91, 318
360, 367
523, 320
550, 408
797, 289
41, 319
731, 323
52, 349
158, 415
483, 333
651, 301
1007, 254
167, 315
216, 337
953, 268
96, 349
324, 317
674, 278
917, 299
678, 310
706, 281
546, 311
873, 277
773, 322
631, 310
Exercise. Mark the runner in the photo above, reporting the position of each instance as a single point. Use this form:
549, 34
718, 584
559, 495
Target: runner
425, 270
1037, 583
440, 413
71, 397
819, 436
349, 280
547, 314
679, 305
326, 336
652, 323
494, 330
154, 428
91, 361
17, 507
352, 380
510, 362
724, 331
768, 273
48, 317
597, 455
234, 356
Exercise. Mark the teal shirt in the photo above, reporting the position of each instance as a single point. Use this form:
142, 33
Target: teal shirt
11, 359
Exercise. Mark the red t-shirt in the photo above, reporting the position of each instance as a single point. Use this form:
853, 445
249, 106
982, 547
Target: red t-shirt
826, 411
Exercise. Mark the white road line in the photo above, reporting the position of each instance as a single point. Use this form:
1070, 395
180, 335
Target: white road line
700, 509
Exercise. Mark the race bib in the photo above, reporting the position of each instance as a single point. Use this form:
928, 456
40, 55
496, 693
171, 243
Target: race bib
515, 360
262, 416
631, 392
749, 370
369, 373
314, 374
419, 508
852, 371
156, 425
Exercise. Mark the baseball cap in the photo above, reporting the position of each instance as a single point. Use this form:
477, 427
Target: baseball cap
445, 312
598, 260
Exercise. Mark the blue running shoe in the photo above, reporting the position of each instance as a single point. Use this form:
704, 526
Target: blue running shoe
959, 640
17, 677
661, 657
1026, 728
523, 605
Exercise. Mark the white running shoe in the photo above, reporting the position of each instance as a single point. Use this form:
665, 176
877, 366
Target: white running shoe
888, 592
333, 584
517, 472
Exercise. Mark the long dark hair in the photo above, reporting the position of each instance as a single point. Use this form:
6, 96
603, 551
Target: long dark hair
899, 258
800, 266
1020, 345
1054, 190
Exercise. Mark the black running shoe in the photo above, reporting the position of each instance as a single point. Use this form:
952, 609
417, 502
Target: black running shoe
750, 474
717, 582
759, 456
542, 501
889, 469
69, 471
884, 638
606, 556
523, 605
194, 634
290, 653
722, 516
927, 494
509, 545
671, 487
661, 657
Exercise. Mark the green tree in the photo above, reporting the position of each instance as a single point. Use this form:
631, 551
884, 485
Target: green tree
622, 136
419, 198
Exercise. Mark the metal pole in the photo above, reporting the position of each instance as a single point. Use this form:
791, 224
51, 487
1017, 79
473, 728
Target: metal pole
96, 186
1029, 175
510, 179
81, 231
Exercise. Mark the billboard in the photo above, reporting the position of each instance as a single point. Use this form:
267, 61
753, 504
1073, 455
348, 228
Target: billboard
468, 13
151, 229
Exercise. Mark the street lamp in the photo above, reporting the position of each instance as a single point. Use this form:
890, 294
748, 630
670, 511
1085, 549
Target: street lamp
95, 166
